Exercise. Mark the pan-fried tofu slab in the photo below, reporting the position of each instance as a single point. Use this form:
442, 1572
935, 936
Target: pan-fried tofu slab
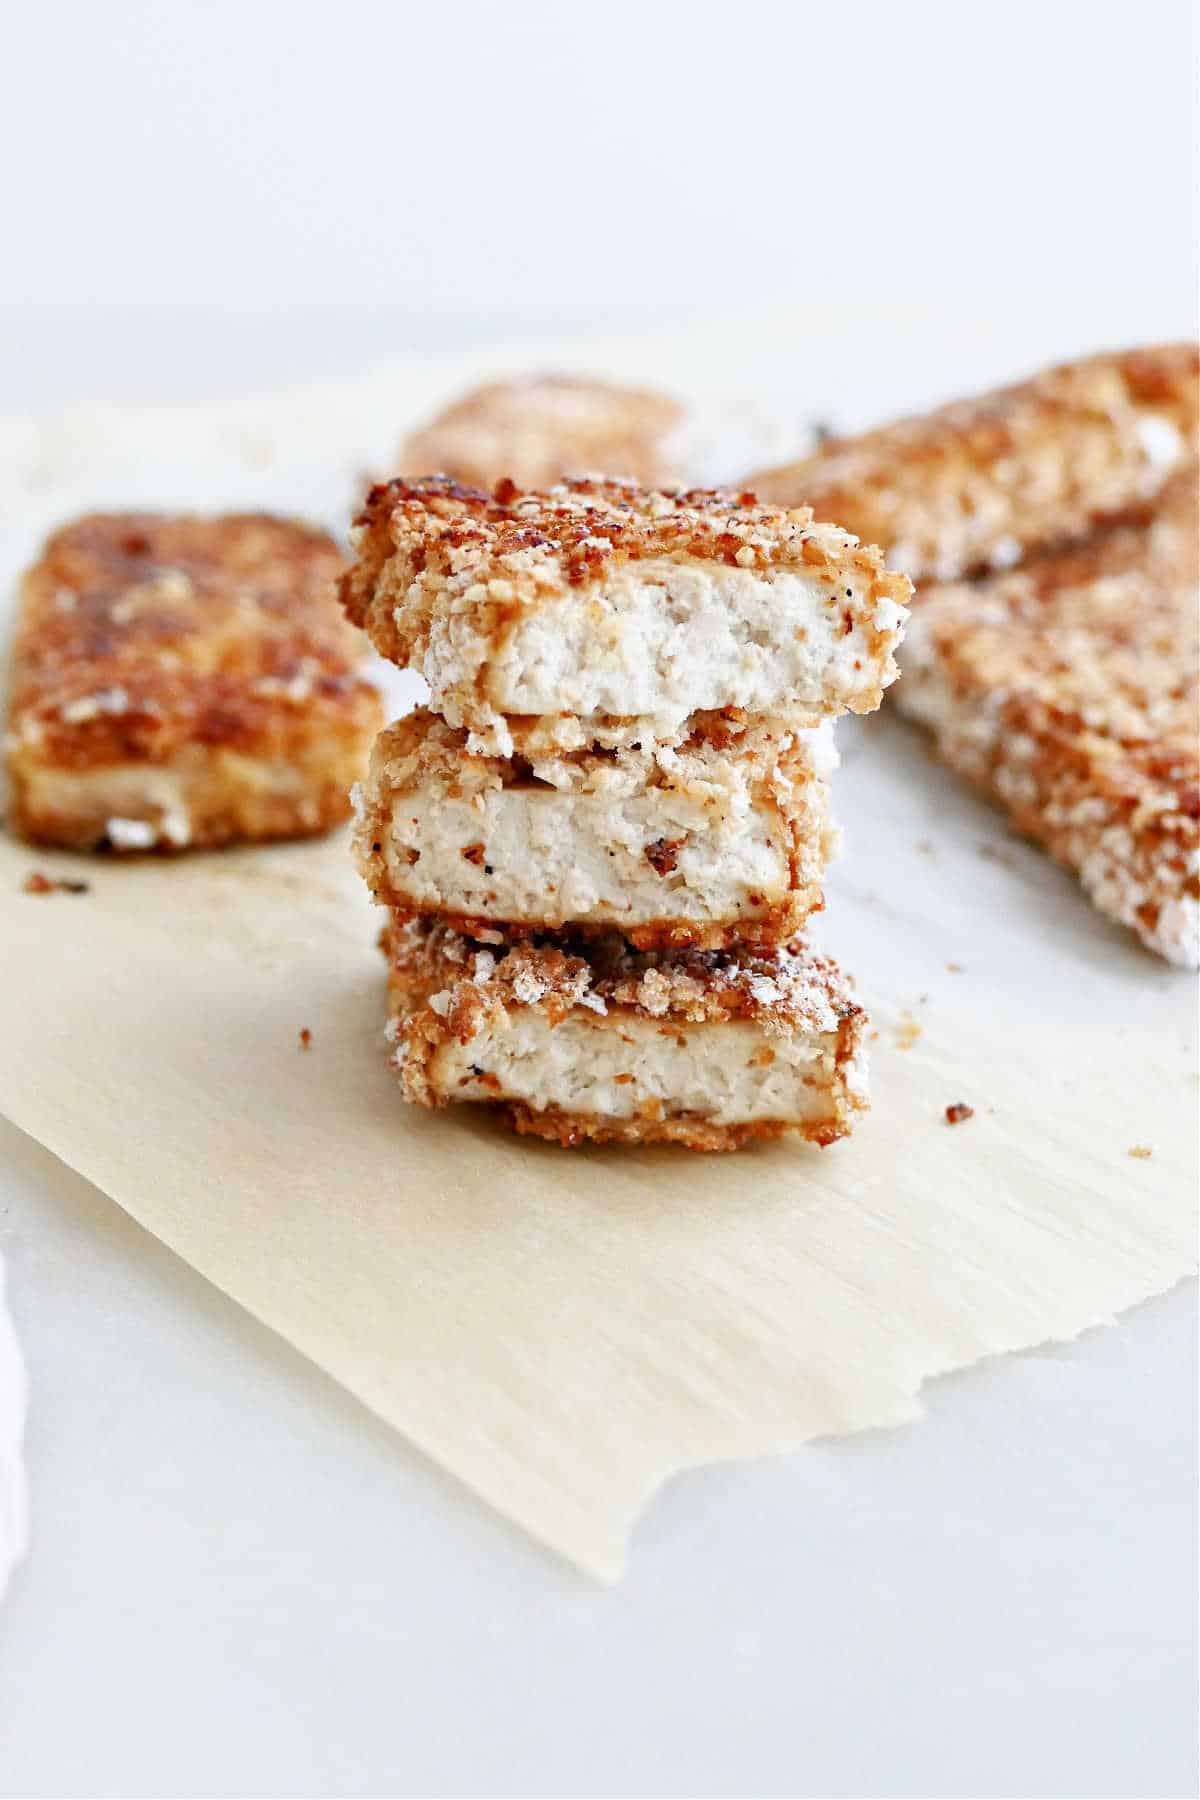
721, 840
182, 682
1068, 690
536, 429
978, 485
701, 1049
601, 613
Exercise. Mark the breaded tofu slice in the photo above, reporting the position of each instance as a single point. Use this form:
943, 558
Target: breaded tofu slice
603, 613
696, 1048
723, 839
181, 682
980, 484
535, 429
1068, 689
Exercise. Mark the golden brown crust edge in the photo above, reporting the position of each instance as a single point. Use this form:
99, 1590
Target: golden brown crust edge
774, 926
571, 1130
424, 544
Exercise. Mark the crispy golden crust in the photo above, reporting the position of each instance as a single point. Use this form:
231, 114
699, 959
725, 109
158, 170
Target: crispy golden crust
1068, 689
688, 1130
978, 484
443, 989
784, 990
600, 613
421, 751
526, 545
202, 657
537, 429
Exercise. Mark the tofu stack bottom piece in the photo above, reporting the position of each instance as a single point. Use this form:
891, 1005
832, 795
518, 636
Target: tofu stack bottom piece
696, 1048
599, 843
181, 682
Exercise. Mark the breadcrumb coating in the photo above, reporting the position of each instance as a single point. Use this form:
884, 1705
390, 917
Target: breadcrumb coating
536, 429
202, 659
446, 990
455, 537
616, 609
1069, 690
784, 989
978, 485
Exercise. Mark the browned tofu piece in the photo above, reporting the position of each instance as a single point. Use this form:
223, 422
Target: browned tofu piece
182, 682
603, 613
1068, 689
599, 1043
720, 841
535, 429
980, 484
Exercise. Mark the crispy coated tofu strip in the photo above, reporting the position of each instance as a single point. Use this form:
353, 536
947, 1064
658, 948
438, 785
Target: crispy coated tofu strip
183, 682
980, 484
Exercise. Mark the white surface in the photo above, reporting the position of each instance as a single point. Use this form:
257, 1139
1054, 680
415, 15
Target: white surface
241, 1584
14, 1525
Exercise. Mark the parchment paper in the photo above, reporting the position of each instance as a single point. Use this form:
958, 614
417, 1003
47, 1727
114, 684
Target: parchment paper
565, 1330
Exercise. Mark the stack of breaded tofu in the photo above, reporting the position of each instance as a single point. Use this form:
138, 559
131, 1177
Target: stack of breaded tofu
599, 844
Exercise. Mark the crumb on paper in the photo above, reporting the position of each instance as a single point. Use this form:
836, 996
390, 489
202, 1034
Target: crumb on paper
1141, 1151
925, 846
907, 1032
305, 1038
958, 1112
954, 968
37, 883
997, 853
874, 1035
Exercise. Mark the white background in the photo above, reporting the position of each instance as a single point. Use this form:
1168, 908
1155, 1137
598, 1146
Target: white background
217, 192
238, 1582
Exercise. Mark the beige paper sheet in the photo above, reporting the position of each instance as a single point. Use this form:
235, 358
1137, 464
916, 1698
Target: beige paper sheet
565, 1330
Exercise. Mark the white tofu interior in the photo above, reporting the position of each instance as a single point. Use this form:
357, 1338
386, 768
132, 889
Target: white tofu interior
728, 1072
546, 856
663, 640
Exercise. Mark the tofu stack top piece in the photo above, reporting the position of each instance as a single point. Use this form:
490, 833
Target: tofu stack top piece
600, 613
